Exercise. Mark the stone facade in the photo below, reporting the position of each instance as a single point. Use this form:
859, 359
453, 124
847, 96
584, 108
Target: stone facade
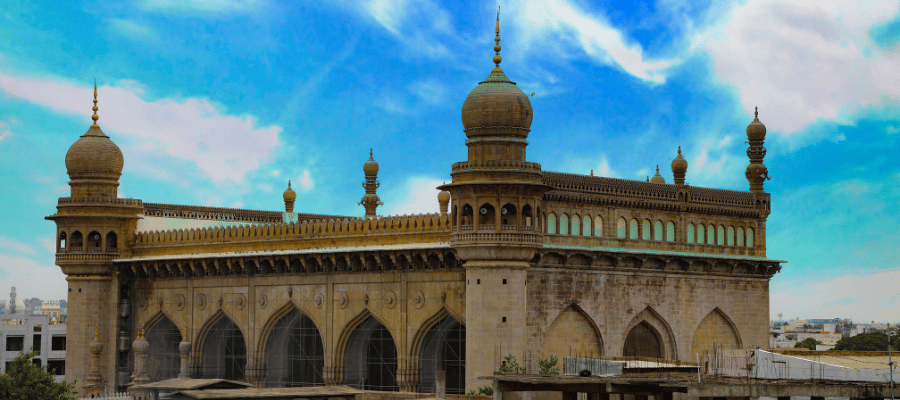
519, 261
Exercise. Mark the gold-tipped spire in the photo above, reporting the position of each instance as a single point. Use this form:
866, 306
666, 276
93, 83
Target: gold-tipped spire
370, 154
95, 117
497, 58
755, 112
96, 333
679, 150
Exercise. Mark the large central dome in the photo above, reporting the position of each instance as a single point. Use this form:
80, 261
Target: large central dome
497, 107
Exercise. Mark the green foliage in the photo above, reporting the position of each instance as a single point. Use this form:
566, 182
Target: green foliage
26, 381
808, 343
511, 366
872, 341
482, 391
548, 366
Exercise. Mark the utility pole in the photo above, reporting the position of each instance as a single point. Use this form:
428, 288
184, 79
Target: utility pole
891, 361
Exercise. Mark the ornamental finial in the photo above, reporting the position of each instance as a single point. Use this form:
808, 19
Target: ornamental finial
370, 154
679, 150
95, 117
497, 58
756, 112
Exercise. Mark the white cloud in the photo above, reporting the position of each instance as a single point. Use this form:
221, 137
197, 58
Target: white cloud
893, 130
803, 62
431, 92
417, 196
195, 130
603, 169
544, 23
305, 182
857, 295
32, 278
133, 29
404, 20
178, 7
9, 245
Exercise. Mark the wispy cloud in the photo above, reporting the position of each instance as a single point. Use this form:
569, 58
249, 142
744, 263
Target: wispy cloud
8, 245
431, 92
543, 24
194, 130
32, 278
804, 62
305, 181
858, 295
403, 20
134, 30
4, 131
178, 7
417, 196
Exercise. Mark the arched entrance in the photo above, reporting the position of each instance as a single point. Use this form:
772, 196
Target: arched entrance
224, 352
295, 355
643, 341
370, 360
444, 349
163, 356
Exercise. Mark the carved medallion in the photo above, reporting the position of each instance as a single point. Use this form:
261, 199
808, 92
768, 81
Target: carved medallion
320, 300
419, 299
263, 301
344, 301
200, 299
241, 301
390, 300
179, 302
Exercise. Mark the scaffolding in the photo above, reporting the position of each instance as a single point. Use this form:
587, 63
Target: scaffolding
444, 349
164, 359
224, 352
370, 361
295, 355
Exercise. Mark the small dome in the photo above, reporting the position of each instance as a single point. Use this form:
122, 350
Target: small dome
679, 164
290, 194
657, 178
94, 155
497, 103
444, 196
370, 167
756, 129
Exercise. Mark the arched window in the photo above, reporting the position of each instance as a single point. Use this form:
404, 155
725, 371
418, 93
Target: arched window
508, 215
527, 215
112, 242
670, 231
701, 234
77, 241
730, 235
720, 235
740, 236
643, 341
444, 349
295, 355
633, 229
551, 223
586, 225
467, 215
645, 230
710, 234
657, 231
486, 214
563, 224
598, 225
62, 241
224, 352
93, 241
690, 233
576, 225
370, 360
163, 357
620, 228
749, 237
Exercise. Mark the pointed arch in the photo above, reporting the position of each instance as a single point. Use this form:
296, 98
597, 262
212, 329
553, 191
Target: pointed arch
650, 325
291, 349
551, 223
658, 231
690, 233
576, 225
154, 319
670, 231
163, 356
716, 330
620, 228
633, 229
440, 344
369, 354
563, 224
226, 359
645, 230
598, 225
572, 333
350, 326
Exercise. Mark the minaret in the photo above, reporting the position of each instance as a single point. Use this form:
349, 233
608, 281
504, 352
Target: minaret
495, 200
93, 228
679, 168
12, 301
756, 173
370, 200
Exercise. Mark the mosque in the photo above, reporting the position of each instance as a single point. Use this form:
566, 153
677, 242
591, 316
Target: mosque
519, 261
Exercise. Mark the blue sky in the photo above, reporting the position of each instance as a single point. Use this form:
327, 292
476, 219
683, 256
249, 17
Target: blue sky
221, 102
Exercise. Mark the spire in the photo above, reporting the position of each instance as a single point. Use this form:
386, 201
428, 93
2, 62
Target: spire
497, 58
95, 117
679, 150
756, 113
370, 154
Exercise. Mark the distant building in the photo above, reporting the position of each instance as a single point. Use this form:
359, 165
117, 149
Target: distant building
22, 332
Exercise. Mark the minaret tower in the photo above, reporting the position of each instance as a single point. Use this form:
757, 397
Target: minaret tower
93, 227
495, 214
370, 200
757, 174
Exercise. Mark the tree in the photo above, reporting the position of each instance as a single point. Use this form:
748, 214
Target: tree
548, 366
872, 341
26, 381
808, 343
511, 366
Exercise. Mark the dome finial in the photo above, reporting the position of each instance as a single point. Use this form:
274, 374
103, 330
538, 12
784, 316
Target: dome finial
95, 117
679, 150
756, 112
497, 58
289, 183
370, 154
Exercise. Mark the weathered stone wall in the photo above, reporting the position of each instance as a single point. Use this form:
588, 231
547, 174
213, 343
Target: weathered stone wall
674, 304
